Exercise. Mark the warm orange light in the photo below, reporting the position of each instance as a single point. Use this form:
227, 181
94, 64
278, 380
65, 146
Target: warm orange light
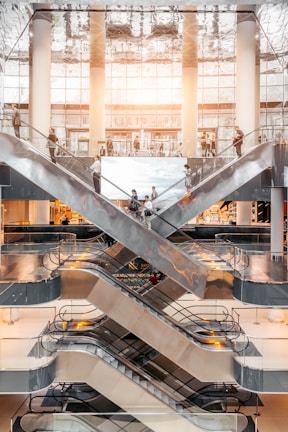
78, 325
218, 344
73, 266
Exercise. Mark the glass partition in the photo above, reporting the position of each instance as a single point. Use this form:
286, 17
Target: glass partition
135, 421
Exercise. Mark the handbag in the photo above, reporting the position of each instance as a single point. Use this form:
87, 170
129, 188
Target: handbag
148, 212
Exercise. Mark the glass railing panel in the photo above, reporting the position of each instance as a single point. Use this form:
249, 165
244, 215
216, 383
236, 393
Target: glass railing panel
262, 367
260, 323
207, 168
243, 237
39, 237
99, 254
77, 316
240, 256
262, 258
185, 313
135, 420
25, 353
28, 265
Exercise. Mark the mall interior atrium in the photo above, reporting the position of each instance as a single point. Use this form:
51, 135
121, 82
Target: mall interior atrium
143, 168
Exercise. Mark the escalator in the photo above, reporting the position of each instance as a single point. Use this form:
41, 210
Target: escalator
142, 318
220, 183
122, 383
77, 191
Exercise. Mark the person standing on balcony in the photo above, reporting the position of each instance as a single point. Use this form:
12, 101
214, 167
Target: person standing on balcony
16, 120
136, 145
203, 144
213, 144
208, 144
110, 148
179, 150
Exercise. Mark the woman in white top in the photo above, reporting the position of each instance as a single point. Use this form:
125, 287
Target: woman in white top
96, 173
188, 177
147, 211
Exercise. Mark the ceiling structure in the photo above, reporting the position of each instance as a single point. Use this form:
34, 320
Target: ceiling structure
160, 28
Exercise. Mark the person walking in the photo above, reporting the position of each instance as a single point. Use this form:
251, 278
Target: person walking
238, 140
51, 143
16, 120
96, 173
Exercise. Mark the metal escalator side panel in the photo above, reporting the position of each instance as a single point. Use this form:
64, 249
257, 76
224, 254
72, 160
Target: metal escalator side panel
50, 422
214, 188
132, 315
79, 195
135, 399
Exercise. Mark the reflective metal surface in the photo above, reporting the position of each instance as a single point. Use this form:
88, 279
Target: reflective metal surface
80, 196
148, 422
184, 351
214, 188
134, 24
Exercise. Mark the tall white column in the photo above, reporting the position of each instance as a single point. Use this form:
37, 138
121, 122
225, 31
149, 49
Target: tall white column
244, 213
277, 221
39, 212
40, 72
189, 84
257, 79
97, 80
40, 94
247, 91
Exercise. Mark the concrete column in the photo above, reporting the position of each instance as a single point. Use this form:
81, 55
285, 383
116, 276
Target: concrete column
247, 90
189, 84
40, 71
257, 79
39, 212
277, 218
244, 213
97, 80
247, 102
